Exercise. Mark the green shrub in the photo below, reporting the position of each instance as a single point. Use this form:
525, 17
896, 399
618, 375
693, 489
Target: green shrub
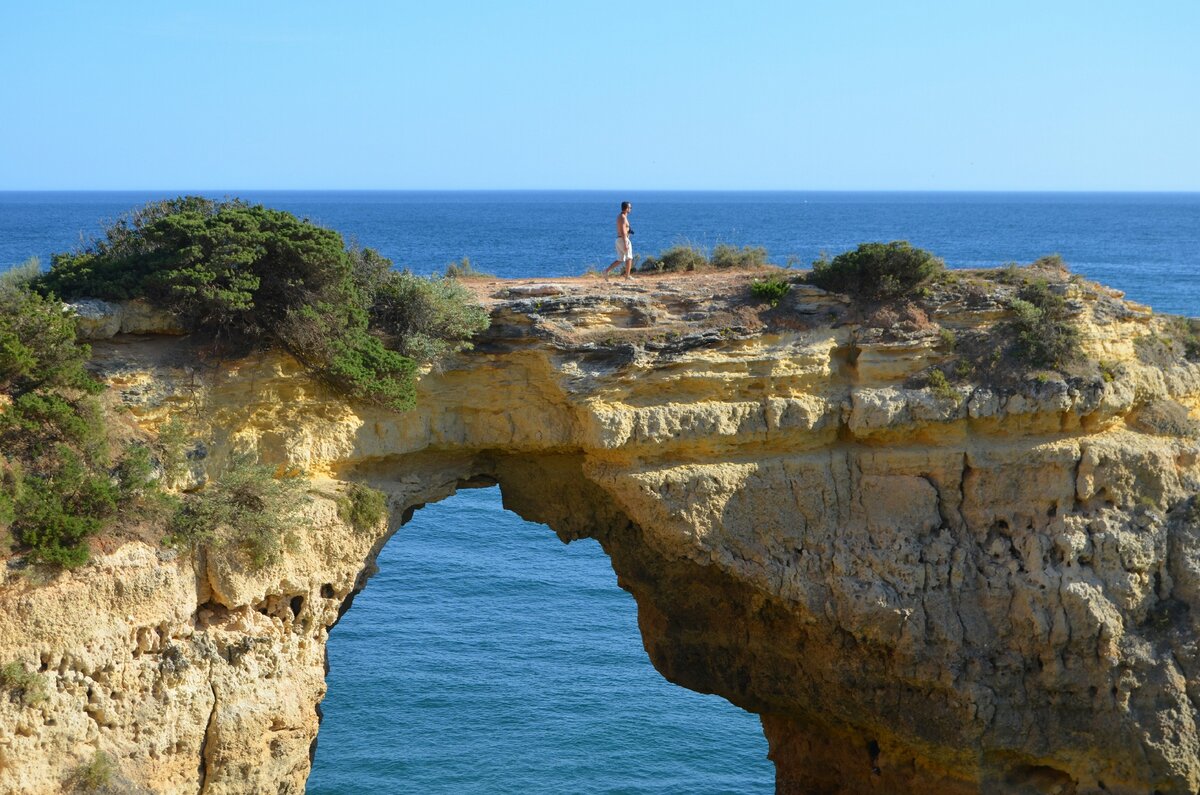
246, 508
1043, 334
61, 495
55, 489
11, 484
463, 269
940, 386
685, 257
339, 347
689, 257
1009, 273
726, 256
771, 289
248, 276
25, 687
95, 776
424, 319
876, 270
20, 277
38, 349
172, 448
38, 421
228, 268
135, 472
363, 507
1185, 330
60, 506
947, 338
1049, 262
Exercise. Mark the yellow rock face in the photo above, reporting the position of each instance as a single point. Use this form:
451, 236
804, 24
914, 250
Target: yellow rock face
991, 590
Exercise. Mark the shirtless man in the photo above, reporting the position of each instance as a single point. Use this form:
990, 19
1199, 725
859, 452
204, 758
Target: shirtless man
624, 244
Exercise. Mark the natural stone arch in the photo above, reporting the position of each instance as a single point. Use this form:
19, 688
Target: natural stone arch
994, 590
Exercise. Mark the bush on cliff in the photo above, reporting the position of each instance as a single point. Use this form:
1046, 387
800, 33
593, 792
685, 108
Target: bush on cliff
1043, 332
689, 257
38, 350
771, 289
424, 319
246, 508
247, 276
56, 510
876, 270
26, 687
363, 507
57, 482
684, 257
97, 775
727, 256
54, 486
463, 269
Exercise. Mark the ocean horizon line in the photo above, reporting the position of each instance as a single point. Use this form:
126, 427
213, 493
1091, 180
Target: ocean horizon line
605, 191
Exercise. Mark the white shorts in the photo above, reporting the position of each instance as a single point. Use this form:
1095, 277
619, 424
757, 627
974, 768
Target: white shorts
624, 249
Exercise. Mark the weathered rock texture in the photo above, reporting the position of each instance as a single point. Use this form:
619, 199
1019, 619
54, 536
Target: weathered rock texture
998, 593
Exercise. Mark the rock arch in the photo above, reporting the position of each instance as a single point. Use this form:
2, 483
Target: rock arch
991, 592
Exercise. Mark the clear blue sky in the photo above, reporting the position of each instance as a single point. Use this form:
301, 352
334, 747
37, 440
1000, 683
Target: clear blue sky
844, 94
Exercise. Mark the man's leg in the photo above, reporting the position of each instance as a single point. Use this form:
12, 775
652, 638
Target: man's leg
629, 268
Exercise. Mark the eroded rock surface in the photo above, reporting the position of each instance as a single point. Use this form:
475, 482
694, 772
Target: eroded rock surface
995, 590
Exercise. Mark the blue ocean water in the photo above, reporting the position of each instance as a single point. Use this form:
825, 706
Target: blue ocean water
487, 657
1144, 243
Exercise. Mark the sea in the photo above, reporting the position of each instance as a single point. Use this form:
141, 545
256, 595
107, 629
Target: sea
488, 657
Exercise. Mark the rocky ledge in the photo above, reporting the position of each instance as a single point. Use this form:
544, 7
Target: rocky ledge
985, 584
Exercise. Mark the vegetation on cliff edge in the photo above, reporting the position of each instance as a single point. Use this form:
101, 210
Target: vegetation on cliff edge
771, 289
23, 686
689, 257
246, 276
363, 507
55, 484
876, 270
246, 508
240, 277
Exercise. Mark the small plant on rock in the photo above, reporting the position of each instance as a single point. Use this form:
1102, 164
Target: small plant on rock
727, 256
24, 687
246, 507
1044, 334
363, 507
771, 289
463, 269
1164, 417
94, 776
947, 338
683, 257
172, 448
940, 386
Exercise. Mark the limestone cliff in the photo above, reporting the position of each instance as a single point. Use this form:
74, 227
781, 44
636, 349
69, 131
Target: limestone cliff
983, 588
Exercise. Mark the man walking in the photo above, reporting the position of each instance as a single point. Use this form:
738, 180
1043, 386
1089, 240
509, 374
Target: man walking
624, 245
